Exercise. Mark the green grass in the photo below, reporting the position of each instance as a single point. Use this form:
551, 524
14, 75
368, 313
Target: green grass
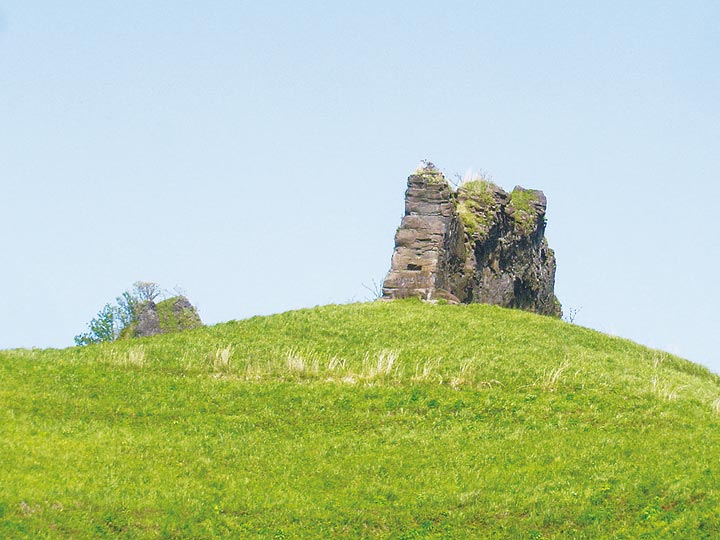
395, 420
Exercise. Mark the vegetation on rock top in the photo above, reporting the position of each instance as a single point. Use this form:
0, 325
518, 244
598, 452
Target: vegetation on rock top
427, 171
174, 318
476, 207
525, 216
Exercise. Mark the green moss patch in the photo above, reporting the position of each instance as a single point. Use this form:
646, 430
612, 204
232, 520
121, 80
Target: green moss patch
176, 320
525, 215
476, 207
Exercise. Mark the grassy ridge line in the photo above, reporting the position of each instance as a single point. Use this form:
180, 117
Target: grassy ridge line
486, 423
477, 344
506, 342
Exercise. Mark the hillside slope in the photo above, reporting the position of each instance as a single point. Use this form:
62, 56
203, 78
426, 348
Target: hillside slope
380, 420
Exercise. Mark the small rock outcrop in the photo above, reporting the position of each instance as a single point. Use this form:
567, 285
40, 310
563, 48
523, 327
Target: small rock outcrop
172, 315
148, 321
476, 244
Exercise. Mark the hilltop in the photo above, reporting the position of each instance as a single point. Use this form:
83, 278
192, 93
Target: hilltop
394, 419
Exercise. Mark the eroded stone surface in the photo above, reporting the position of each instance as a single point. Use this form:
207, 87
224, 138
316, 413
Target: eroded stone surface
428, 244
478, 244
148, 320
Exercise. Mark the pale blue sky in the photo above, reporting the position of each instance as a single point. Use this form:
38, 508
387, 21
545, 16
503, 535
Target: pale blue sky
256, 153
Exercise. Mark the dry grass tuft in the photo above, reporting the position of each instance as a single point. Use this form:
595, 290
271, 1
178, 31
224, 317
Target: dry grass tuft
134, 357
716, 406
221, 358
385, 362
551, 378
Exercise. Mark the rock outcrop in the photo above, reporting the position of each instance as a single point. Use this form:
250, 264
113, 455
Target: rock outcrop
476, 244
172, 315
429, 250
148, 323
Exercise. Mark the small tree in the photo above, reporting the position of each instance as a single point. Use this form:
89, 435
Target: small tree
104, 327
114, 318
128, 309
376, 290
146, 291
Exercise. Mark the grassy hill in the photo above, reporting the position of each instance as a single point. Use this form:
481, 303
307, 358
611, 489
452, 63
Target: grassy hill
384, 420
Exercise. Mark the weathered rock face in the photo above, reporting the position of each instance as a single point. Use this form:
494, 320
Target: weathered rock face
478, 244
429, 249
148, 320
180, 315
172, 315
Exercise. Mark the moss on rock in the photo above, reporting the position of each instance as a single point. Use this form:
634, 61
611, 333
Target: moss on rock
476, 207
523, 203
166, 317
177, 314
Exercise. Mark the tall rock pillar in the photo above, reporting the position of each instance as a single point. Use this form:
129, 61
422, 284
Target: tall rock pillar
429, 247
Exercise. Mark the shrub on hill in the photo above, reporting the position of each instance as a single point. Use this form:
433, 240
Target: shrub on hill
135, 314
111, 320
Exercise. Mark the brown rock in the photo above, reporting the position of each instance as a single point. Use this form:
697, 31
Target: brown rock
478, 244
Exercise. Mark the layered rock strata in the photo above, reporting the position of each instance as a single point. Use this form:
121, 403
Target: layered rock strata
476, 244
429, 250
